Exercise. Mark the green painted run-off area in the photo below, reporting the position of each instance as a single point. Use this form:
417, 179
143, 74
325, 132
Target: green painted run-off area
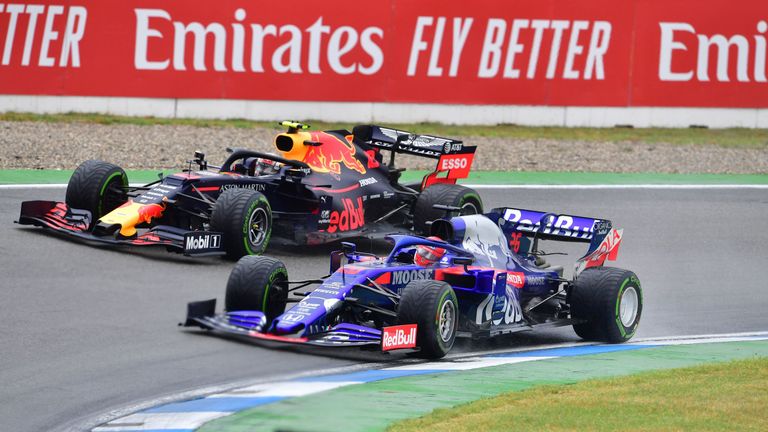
22, 176
373, 406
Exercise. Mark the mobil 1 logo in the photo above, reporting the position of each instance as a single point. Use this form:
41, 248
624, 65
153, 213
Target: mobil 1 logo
202, 243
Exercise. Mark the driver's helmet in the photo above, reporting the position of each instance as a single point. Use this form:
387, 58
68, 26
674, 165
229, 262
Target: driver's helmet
263, 166
428, 255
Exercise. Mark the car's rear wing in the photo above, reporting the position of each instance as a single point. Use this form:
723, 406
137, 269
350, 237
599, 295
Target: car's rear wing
407, 142
521, 226
454, 157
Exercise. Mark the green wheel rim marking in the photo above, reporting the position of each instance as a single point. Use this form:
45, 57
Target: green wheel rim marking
104, 187
471, 195
266, 291
268, 211
618, 303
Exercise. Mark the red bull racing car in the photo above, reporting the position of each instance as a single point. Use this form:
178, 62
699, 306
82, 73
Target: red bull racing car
476, 276
325, 185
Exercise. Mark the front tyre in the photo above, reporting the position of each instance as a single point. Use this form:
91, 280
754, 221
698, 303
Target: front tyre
610, 301
434, 308
98, 187
244, 217
258, 283
468, 200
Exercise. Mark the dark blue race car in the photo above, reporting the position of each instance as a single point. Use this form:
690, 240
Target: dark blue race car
475, 276
324, 186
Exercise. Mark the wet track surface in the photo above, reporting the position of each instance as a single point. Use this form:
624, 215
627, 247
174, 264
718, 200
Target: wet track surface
87, 329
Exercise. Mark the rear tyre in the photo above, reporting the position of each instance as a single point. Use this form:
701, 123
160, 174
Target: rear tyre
258, 283
610, 301
446, 194
98, 187
434, 308
245, 218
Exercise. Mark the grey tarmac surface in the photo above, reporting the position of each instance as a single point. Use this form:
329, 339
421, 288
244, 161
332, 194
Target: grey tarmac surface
87, 330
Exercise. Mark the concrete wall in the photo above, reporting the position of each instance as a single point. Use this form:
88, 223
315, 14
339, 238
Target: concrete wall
363, 112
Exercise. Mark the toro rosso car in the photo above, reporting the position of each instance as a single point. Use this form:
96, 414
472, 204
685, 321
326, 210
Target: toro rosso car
325, 185
475, 276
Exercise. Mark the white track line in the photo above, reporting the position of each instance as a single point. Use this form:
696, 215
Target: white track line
502, 186
34, 186
160, 421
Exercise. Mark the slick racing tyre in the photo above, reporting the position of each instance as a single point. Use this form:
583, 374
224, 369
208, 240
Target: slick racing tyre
433, 307
98, 187
245, 218
610, 300
446, 194
258, 283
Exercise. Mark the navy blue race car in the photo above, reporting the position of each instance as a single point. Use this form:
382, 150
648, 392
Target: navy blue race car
324, 186
475, 276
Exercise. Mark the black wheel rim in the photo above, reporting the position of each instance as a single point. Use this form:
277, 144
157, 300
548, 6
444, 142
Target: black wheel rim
114, 195
258, 226
447, 317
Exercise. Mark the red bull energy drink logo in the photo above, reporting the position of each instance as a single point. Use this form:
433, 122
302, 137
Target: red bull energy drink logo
150, 211
351, 218
131, 214
398, 337
331, 154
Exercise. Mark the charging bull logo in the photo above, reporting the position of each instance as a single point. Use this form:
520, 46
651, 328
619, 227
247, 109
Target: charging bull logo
328, 157
150, 211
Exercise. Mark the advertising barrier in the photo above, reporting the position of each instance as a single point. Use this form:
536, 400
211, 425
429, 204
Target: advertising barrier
547, 53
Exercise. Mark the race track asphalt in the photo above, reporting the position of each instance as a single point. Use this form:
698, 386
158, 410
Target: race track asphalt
87, 330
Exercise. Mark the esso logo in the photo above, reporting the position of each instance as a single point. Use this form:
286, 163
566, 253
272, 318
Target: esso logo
449, 164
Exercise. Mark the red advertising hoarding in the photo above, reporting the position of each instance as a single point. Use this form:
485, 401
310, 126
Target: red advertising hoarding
496, 52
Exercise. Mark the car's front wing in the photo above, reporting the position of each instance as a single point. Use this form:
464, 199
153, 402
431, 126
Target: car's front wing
60, 218
250, 324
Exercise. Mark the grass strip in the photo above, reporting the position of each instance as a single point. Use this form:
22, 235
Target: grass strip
376, 405
725, 396
733, 137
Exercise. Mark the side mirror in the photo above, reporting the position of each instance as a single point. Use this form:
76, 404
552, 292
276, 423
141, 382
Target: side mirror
465, 261
200, 160
297, 172
348, 248
336, 257
462, 261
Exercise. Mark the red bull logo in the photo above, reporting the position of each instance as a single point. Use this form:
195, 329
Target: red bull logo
150, 211
131, 214
334, 152
351, 218
398, 337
